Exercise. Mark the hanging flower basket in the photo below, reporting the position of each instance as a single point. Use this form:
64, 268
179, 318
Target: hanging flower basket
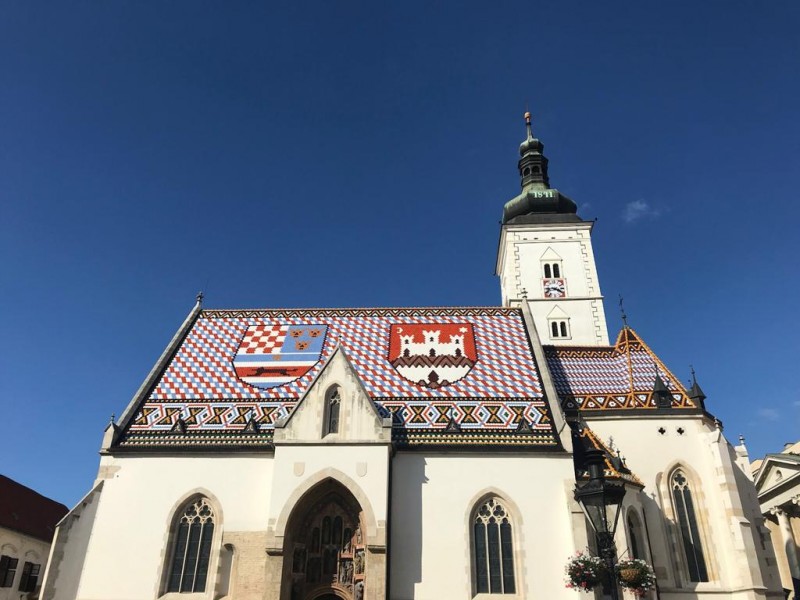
636, 575
585, 572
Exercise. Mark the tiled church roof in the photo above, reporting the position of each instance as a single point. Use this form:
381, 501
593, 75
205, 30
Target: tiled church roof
614, 377
225, 377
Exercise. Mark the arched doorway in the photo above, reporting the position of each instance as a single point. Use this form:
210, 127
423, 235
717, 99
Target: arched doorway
324, 549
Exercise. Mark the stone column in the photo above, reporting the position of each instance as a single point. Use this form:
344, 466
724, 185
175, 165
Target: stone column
789, 545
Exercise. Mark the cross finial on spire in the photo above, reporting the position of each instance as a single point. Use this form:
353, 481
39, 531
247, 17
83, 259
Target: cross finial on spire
694, 375
622, 312
741, 439
200, 297
528, 124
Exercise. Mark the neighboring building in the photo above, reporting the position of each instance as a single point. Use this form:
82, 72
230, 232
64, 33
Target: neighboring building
777, 480
422, 453
27, 524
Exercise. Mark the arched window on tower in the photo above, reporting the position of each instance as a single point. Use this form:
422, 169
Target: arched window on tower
192, 536
333, 400
559, 329
548, 271
687, 520
635, 537
493, 549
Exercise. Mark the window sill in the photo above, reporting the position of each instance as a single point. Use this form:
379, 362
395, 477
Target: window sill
186, 596
516, 596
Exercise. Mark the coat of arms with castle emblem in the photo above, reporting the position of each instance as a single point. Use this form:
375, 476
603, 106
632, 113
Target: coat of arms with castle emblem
272, 355
433, 355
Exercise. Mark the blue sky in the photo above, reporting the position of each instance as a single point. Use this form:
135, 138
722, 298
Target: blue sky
359, 154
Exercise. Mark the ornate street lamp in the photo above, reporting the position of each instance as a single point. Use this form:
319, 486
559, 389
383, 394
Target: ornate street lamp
601, 501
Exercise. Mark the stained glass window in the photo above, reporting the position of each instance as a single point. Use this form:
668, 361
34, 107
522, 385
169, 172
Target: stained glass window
334, 400
494, 549
687, 520
192, 548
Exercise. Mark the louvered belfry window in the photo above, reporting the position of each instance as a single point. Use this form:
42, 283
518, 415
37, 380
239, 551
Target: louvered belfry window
192, 548
690, 533
494, 549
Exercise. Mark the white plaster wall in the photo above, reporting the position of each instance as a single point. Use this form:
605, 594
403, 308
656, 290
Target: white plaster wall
729, 525
68, 551
125, 552
299, 466
24, 548
520, 268
433, 496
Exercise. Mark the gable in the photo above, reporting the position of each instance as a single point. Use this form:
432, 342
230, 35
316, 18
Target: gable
358, 419
777, 470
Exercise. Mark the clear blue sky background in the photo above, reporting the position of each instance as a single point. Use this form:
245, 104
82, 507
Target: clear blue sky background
359, 154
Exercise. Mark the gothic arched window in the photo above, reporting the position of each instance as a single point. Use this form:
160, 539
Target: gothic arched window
333, 400
191, 547
494, 549
687, 520
636, 546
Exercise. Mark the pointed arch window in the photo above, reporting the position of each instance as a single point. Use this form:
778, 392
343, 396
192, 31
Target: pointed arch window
191, 547
333, 401
493, 546
687, 520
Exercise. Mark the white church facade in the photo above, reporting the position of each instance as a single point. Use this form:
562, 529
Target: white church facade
414, 453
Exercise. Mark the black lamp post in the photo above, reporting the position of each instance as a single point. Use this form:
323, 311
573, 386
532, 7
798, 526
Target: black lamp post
601, 500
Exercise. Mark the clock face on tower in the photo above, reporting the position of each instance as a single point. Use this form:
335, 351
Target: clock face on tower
554, 287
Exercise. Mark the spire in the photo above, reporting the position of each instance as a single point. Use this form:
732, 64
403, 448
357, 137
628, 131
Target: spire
696, 392
622, 313
538, 202
661, 393
533, 164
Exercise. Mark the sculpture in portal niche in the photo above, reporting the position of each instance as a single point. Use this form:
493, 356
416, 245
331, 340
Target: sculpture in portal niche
346, 572
358, 535
359, 590
359, 562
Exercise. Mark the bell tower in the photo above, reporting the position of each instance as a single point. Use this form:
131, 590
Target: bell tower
545, 256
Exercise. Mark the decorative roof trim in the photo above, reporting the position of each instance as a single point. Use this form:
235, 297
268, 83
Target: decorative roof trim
161, 364
403, 438
610, 470
359, 312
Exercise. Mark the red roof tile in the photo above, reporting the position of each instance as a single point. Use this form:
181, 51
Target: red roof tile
28, 512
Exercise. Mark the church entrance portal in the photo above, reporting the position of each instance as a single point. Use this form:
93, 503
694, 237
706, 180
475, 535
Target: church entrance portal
324, 549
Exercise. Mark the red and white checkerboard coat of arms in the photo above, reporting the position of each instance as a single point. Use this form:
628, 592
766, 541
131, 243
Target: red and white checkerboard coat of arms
271, 355
432, 354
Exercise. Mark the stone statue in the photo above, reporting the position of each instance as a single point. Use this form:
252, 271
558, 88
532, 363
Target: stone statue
358, 535
359, 562
349, 571
360, 590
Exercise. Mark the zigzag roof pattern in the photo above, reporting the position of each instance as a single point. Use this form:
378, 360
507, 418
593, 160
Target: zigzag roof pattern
614, 377
235, 373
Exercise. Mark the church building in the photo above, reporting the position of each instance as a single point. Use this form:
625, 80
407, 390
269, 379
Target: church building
415, 453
